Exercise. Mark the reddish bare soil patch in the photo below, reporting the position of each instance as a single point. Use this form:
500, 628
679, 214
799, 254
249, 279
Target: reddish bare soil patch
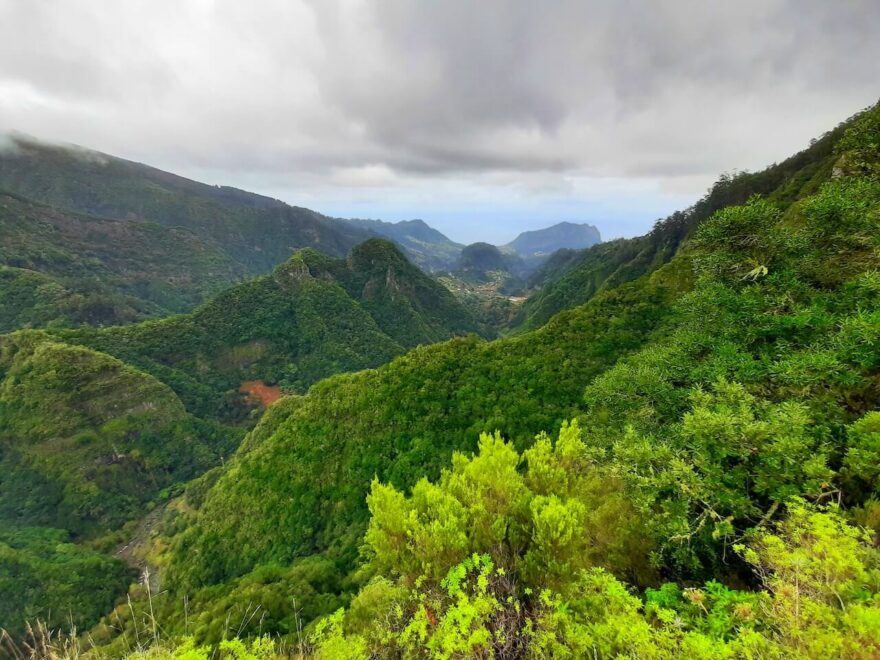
257, 392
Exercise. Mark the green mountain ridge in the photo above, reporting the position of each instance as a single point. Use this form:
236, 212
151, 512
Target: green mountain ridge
755, 326
434, 252
95, 239
256, 231
87, 443
492, 281
712, 491
571, 278
99, 425
313, 317
72, 268
87, 440
429, 249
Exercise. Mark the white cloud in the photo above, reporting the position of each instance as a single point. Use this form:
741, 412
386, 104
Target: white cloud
516, 102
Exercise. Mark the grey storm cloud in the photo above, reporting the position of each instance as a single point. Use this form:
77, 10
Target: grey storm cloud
614, 87
326, 92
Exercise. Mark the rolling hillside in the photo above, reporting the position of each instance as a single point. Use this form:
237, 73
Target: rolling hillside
72, 268
256, 231
756, 326
572, 278
313, 317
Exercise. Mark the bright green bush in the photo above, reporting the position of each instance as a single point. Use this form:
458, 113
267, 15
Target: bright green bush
481, 564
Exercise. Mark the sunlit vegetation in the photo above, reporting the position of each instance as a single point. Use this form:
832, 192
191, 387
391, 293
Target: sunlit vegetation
516, 555
709, 394
712, 491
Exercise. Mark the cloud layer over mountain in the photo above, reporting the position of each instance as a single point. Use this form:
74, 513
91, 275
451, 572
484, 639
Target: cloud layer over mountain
611, 112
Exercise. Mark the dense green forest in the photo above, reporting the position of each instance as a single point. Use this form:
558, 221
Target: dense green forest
101, 425
705, 501
676, 454
73, 269
88, 445
45, 578
90, 239
94, 240
313, 317
255, 231
571, 277
87, 441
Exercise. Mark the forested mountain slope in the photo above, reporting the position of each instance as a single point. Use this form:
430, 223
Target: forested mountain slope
86, 440
428, 248
256, 231
48, 579
740, 374
405, 419
74, 393
94, 239
571, 279
315, 316
97, 426
87, 444
72, 268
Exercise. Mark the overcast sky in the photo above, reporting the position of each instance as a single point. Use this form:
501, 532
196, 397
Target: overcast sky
482, 117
